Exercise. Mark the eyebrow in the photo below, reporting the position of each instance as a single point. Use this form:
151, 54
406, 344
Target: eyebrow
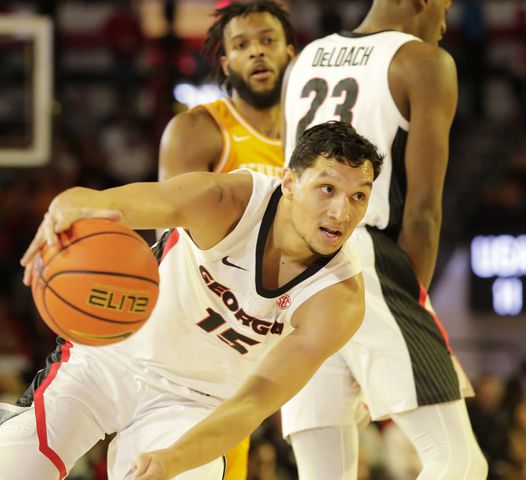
326, 174
259, 32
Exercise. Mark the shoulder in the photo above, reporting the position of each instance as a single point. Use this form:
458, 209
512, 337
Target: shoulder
423, 61
236, 188
196, 120
191, 141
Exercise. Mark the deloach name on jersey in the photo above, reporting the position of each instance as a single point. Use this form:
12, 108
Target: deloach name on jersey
342, 57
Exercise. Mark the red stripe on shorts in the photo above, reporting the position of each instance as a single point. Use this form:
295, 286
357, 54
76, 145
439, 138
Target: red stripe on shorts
422, 301
40, 412
170, 242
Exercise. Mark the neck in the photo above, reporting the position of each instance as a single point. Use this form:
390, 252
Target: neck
284, 241
266, 121
384, 16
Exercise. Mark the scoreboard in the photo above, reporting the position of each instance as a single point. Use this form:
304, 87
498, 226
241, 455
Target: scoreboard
498, 274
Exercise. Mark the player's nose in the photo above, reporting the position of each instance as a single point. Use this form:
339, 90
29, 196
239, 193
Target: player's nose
339, 210
255, 50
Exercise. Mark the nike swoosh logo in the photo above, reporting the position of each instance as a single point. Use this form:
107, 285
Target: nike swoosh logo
238, 138
225, 261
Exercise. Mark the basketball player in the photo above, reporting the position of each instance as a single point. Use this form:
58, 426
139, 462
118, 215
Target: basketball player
250, 45
255, 292
395, 85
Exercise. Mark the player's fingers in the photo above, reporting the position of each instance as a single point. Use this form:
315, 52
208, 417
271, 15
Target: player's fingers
34, 246
29, 253
28, 273
64, 218
49, 230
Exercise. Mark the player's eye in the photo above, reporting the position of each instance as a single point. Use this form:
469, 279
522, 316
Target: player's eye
360, 196
327, 189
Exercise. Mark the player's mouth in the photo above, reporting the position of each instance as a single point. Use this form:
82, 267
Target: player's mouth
330, 234
260, 72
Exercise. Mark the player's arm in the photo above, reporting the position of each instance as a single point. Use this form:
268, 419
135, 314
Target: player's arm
430, 78
191, 142
323, 325
208, 205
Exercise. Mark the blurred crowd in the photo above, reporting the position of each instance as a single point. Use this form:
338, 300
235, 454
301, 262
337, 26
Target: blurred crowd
114, 79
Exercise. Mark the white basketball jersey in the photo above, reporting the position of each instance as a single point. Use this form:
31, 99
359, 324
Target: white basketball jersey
214, 318
345, 77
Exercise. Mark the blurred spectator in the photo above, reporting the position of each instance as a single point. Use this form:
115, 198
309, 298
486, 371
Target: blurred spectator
516, 454
515, 388
262, 464
129, 158
123, 33
503, 206
260, 456
518, 68
371, 462
489, 420
331, 18
401, 459
474, 34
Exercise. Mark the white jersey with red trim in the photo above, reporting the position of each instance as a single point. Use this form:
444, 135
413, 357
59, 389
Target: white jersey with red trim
214, 319
345, 77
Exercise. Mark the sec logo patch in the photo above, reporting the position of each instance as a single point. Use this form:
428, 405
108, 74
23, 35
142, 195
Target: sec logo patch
283, 302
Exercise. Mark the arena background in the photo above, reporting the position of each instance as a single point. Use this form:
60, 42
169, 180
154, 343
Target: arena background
86, 88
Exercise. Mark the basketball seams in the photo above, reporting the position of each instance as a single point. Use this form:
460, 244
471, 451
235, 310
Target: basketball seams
89, 235
102, 254
49, 316
103, 272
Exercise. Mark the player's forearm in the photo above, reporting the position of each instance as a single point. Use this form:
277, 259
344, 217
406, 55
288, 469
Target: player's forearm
235, 419
142, 205
419, 239
224, 428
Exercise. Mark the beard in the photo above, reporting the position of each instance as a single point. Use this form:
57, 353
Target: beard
260, 100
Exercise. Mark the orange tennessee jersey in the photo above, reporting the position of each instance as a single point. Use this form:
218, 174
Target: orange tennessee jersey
243, 146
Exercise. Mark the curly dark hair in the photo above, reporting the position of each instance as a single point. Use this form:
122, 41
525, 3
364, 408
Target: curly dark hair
214, 47
338, 140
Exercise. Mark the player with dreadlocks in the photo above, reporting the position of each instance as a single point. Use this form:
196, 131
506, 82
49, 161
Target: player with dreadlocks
250, 46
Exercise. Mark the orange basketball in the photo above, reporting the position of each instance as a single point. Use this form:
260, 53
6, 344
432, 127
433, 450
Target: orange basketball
99, 286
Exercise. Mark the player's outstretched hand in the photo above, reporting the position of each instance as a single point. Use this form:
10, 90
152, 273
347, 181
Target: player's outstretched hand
151, 466
57, 220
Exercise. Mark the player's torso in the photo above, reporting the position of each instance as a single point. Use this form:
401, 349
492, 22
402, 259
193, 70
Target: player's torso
244, 146
214, 318
346, 78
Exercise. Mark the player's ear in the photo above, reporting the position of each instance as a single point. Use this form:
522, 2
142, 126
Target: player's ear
224, 65
419, 5
291, 51
288, 181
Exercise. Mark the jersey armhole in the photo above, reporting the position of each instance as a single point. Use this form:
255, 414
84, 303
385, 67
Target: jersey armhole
225, 151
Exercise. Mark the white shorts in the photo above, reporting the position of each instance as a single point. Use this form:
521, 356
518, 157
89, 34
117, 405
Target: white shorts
85, 397
400, 355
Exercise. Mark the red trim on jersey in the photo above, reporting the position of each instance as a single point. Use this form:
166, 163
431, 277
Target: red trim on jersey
40, 412
422, 301
170, 242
